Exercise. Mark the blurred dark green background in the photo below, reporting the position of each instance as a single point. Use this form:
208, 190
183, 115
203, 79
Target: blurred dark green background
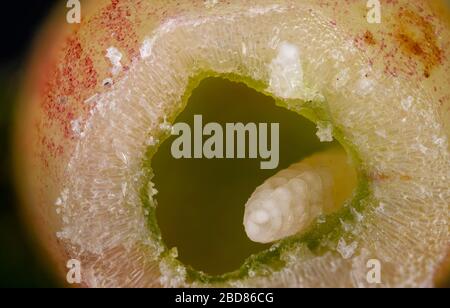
20, 266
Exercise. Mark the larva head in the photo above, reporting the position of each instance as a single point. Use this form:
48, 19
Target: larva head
100, 94
284, 205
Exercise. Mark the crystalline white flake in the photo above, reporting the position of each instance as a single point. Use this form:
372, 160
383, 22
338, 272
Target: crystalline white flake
346, 251
325, 131
211, 3
171, 276
365, 84
62, 199
342, 78
151, 141
115, 56
147, 47
287, 77
439, 140
407, 103
380, 208
152, 191
359, 217
59, 202
76, 127
166, 126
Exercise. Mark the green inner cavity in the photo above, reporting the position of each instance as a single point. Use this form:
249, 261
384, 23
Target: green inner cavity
201, 202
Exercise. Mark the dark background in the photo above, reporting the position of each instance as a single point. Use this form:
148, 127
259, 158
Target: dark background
20, 266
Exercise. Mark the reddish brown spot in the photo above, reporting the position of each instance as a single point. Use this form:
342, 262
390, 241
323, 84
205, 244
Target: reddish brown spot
379, 177
368, 38
69, 83
417, 40
116, 19
441, 277
405, 178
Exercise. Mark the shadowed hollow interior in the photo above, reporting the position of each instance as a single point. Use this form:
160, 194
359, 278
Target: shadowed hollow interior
201, 201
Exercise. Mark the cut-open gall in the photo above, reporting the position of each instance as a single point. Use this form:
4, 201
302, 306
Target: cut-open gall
101, 98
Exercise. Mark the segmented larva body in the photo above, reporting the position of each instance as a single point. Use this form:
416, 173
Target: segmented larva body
288, 202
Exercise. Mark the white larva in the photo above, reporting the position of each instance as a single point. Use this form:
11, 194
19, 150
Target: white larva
288, 202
